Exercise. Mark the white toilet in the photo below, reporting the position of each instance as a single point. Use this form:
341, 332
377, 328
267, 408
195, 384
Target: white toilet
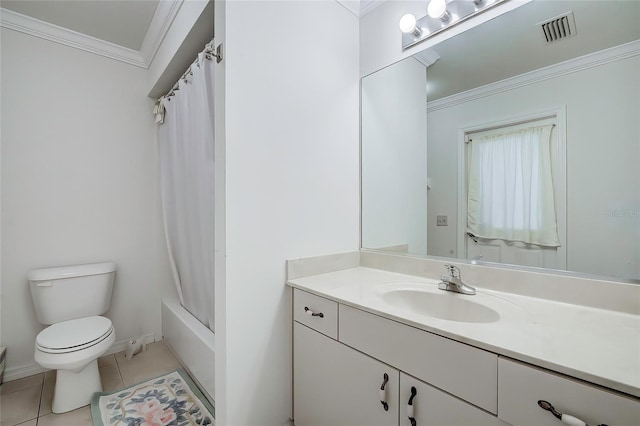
71, 298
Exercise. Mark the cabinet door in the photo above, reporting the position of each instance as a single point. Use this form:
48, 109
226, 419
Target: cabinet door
431, 406
521, 386
335, 385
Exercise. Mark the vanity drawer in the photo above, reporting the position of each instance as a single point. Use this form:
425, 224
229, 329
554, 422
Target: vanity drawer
462, 370
520, 386
316, 312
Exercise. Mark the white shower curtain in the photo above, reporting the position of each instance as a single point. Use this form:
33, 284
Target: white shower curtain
186, 146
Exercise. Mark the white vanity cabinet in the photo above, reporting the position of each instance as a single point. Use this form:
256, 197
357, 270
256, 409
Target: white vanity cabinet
340, 384
343, 355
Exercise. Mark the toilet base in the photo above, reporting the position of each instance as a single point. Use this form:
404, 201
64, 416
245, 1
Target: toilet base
75, 389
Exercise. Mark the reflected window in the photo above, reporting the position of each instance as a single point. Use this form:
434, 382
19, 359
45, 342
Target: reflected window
510, 185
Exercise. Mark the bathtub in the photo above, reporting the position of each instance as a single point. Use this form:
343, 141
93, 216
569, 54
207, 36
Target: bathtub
192, 342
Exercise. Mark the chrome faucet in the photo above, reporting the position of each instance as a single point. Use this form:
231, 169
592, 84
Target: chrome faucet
452, 281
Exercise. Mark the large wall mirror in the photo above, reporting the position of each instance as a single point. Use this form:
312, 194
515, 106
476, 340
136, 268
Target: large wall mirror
449, 168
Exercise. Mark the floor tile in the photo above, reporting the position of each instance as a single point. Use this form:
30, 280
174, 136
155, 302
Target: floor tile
103, 361
79, 417
157, 360
110, 378
20, 406
21, 398
26, 382
47, 393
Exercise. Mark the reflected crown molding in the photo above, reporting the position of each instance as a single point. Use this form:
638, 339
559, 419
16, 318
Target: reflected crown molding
427, 57
160, 24
591, 60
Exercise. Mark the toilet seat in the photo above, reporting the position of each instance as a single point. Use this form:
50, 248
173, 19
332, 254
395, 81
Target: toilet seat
74, 335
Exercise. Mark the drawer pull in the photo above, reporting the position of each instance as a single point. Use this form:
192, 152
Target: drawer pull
383, 392
313, 314
410, 413
564, 418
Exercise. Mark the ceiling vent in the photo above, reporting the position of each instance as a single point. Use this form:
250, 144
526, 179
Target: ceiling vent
559, 28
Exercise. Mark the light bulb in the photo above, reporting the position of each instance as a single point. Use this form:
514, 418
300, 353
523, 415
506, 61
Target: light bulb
437, 9
407, 23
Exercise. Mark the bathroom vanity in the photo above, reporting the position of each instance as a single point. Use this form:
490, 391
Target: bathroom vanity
375, 347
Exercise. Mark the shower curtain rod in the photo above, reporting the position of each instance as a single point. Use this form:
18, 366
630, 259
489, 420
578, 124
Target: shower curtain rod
209, 53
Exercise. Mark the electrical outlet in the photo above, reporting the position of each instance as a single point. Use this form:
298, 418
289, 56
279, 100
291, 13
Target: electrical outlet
441, 221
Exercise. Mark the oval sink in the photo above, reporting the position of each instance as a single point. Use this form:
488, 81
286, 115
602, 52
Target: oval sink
446, 306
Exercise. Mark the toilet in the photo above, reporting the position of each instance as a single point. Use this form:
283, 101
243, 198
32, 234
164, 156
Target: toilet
71, 300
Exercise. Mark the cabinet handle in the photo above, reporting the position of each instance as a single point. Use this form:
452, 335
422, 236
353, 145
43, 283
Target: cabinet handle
383, 392
410, 413
564, 418
313, 314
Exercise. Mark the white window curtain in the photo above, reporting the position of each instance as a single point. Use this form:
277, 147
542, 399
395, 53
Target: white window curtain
186, 147
510, 195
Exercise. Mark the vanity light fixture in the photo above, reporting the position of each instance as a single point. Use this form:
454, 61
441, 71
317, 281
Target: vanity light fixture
441, 14
408, 25
437, 9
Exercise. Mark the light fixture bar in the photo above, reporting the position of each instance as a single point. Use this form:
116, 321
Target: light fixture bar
446, 15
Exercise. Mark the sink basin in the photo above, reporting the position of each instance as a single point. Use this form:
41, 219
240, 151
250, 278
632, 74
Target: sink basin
446, 305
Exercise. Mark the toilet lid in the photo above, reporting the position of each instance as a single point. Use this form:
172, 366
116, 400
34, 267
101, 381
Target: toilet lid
74, 334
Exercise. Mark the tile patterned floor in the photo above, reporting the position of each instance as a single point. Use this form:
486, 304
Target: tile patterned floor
27, 401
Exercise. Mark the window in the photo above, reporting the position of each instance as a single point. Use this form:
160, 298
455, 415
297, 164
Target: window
510, 186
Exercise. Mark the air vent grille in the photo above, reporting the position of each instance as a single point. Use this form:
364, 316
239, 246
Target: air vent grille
559, 28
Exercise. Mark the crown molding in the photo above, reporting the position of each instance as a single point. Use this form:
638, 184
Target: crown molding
369, 5
360, 7
160, 24
352, 6
591, 60
426, 57
37, 28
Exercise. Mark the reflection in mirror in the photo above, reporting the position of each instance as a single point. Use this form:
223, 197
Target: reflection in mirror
445, 171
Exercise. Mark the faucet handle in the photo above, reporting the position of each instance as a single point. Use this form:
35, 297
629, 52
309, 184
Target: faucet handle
453, 270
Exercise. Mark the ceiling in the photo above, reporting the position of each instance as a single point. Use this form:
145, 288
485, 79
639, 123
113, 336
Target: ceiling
129, 31
124, 23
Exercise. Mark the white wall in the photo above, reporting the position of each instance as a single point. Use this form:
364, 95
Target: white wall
78, 184
394, 157
381, 39
292, 99
603, 179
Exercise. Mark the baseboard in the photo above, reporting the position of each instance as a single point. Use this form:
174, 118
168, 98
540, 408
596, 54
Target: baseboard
33, 368
22, 371
121, 345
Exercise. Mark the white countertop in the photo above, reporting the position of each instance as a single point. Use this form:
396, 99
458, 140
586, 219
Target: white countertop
596, 345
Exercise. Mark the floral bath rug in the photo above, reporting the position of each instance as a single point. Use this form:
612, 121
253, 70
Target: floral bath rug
172, 399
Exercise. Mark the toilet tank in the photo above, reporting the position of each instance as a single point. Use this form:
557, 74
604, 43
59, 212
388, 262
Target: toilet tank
70, 292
